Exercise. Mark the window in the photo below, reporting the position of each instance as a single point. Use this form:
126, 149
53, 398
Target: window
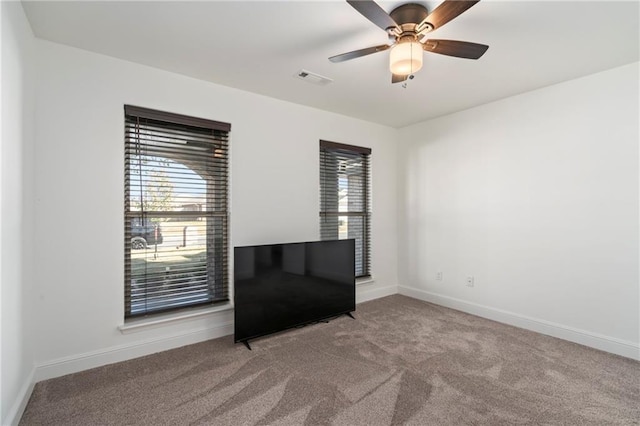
344, 198
176, 215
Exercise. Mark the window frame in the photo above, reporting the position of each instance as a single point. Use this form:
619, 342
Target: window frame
355, 151
217, 242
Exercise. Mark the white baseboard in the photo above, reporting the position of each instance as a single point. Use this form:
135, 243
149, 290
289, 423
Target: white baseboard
75, 363
16, 411
598, 341
364, 294
80, 362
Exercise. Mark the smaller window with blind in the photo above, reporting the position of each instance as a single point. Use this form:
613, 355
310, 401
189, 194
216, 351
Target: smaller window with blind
176, 215
345, 198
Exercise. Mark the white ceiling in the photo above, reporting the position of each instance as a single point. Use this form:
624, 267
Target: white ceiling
259, 46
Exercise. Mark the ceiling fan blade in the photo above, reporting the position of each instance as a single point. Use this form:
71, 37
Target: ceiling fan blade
459, 49
358, 53
370, 10
395, 78
445, 12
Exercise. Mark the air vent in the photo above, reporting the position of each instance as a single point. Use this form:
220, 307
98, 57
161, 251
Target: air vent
313, 78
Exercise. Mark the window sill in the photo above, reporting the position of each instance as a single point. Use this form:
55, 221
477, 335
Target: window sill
142, 324
365, 280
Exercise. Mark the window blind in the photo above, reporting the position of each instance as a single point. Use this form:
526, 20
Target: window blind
345, 198
176, 211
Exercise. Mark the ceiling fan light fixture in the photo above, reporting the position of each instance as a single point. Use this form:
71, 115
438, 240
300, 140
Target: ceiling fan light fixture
406, 58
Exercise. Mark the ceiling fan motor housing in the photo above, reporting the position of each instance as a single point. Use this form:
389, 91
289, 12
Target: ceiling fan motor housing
408, 16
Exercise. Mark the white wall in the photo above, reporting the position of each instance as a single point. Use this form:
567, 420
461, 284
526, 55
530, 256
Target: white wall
16, 224
536, 196
79, 195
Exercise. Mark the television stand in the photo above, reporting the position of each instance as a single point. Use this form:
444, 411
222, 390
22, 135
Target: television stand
351, 315
246, 343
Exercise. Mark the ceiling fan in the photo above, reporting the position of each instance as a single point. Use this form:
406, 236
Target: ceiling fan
407, 26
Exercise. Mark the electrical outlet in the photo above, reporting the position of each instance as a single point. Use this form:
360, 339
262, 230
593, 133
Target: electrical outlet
439, 276
469, 281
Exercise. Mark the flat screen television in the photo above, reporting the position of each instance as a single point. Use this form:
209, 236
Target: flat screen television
281, 286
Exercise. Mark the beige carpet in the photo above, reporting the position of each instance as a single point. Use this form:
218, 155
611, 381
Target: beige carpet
402, 361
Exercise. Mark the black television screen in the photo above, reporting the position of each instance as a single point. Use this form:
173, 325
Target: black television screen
280, 286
